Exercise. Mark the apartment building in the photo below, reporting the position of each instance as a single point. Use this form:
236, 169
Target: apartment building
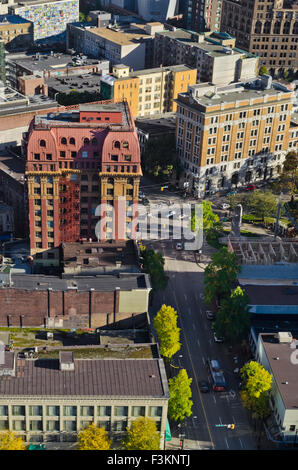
268, 28
148, 91
157, 10
16, 32
233, 135
52, 400
277, 352
213, 54
77, 160
200, 15
131, 44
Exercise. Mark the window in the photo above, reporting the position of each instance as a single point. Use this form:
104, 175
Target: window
42, 143
86, 141
37, 156
70, 426
3, 424
155, 411
48, 156
62, 153
138, 411
3, 410
117, 144
121, 411
19, 425
35, 425
52, 426
127, 158
69, 410
35, 410
125, 145
87, 410
73, 154
104, 411
72, 141
114, 158
63, 141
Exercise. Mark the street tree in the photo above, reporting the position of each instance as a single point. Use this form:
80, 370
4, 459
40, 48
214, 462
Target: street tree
142, 435
256, 387
180, 402
233, 318
220, 274
159, 157
210, 220
153, 263
263, 70
10, 441
165, 324
262, 204
289, 176
93, 438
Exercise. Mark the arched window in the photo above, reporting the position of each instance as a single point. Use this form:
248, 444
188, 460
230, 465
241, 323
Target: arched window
86, 141
63, 141
117, 144
267, 27
125, 145
94, 141
276, 28
295, 28
286, 28
72, 141
258, 27
130, 181
42, 143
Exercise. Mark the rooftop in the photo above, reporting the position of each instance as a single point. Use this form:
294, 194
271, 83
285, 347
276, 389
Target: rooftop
283, 369
80, 83
13, 166
101, 283
6, 20
105, 378
156, 125
119, 37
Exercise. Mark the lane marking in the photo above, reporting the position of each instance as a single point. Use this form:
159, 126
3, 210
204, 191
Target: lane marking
227, 443
241, 443
194, 326
198, 341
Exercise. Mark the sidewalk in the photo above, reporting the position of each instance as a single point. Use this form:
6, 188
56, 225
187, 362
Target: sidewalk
188, 444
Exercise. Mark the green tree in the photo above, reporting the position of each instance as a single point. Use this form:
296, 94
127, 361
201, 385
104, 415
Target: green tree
210, 220
160, 157
262, 203
142, 435
263, 70
256, 387
289, 176
153, 263
180, 402
93, 438
165, 324
220, 274
10, 441
233, 318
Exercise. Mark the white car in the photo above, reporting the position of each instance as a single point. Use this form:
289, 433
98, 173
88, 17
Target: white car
171, 213
217, 339
225, 206
141, 194
179, 246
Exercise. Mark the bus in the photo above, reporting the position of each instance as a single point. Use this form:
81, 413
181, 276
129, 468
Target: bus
217, 376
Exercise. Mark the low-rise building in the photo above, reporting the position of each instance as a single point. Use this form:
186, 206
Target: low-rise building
148, 91
277, 353
213, 54
155, 128
233, 135
79, 84
52, 400
16, 32
87, 301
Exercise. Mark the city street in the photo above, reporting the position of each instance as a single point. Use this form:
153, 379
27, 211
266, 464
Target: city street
213, 409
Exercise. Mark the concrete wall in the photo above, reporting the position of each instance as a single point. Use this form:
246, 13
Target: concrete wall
133, 301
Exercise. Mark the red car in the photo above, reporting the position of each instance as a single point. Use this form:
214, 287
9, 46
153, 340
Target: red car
250, 187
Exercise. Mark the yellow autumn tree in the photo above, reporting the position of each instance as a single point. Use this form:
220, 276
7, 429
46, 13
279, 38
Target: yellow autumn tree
93, 438
10, 441
142, 435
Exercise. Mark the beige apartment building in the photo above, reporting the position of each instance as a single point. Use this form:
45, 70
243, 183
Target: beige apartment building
233, 135
148, 91
52, 400
16, 32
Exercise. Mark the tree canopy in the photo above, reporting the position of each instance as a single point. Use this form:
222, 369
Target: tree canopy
260, 203
220, 274
210, 220
153, 263
263, 70
180, 402
159, 157
93, 438
256, 386
142, 435
10, 441
233, 317
165, 324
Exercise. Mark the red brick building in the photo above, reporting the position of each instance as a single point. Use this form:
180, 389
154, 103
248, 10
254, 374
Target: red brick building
78, 159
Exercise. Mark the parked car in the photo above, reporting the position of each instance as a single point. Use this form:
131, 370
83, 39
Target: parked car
225, 206
250, 187
210, 315
171, 213
141, 194
179, 246
146, 202
218, 339
204, 386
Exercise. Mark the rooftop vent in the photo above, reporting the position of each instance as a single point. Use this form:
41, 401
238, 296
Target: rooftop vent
284, 337
66, 360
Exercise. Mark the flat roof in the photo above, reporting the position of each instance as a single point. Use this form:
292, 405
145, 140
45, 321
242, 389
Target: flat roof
64, 84
49, 62
100, 283
118, 37
270, 273
283, 369
13, 167
12, 19
272, 295
90, 377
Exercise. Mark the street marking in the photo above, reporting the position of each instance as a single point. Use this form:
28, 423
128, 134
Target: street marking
194, 326
232, 394
227, 442
185, 296
199, 346
203, 359
220, 419
240, 442
214, 399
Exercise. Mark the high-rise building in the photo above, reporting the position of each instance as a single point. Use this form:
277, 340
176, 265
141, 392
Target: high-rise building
233, 135
77, 160
156, 10
201, 15
267, 28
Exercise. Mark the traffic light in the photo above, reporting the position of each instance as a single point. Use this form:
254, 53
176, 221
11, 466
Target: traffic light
163, 187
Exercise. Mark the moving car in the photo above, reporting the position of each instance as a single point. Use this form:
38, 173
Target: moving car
218, 339
204, 386
217, 376
179, 246
210, 315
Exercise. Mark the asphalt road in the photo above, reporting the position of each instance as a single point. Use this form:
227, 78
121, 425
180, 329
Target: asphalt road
185, 293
